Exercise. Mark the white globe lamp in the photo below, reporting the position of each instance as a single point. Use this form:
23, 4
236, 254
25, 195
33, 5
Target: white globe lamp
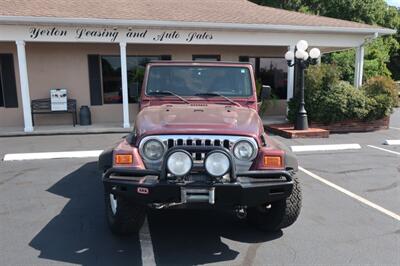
302, 45
301, 54
315, 53
289, 56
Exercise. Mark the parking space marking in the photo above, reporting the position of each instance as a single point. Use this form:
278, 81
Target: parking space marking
51, 155
392, 142
382, 149
146, 245
330, 147
351, 194
398, 128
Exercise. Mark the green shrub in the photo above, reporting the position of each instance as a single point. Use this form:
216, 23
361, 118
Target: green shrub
343, 102
340, 102
330, 100
382, 92
321, 76
318, 79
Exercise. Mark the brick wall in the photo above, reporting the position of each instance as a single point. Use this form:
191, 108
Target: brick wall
354, 126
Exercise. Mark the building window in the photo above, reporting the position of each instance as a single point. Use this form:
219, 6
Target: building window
1, 90
272, 72
206, 57
111, 76
8, 87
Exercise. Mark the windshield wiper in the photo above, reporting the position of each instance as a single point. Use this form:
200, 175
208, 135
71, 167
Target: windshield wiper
215, 94
168, 93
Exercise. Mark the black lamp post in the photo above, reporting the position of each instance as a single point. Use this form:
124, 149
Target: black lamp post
302, 59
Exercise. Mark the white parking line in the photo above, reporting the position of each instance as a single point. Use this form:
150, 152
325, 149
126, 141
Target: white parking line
392, 142
398, 128
146, 245
51, 155
331, 147
382, 149
352, 195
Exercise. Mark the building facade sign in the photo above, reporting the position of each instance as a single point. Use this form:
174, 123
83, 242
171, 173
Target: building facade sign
115, 34
41, 33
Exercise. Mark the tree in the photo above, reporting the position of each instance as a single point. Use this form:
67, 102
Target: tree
376, 59
382, 56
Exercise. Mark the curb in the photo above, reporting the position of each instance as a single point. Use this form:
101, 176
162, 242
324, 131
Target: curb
59, 133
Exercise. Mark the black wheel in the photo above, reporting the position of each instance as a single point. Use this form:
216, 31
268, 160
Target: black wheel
279, 214
124, 218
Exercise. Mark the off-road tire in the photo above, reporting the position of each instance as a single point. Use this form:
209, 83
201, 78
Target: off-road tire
281, 214
128, 219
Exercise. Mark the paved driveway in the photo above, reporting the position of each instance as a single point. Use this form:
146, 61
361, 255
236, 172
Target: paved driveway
51, 212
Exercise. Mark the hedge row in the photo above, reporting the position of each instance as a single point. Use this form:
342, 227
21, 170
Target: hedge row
329, 100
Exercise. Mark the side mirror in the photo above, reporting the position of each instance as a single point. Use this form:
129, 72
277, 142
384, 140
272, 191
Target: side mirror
265, 92
131, 138
134, 90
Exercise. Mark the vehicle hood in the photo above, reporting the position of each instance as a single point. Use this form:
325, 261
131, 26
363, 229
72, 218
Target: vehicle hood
188, 119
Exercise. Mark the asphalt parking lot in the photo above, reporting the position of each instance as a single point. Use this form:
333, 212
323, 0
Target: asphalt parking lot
51, 211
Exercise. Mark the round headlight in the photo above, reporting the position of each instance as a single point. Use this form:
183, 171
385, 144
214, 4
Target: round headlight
153, 150
243, 150
179, 163
217, 164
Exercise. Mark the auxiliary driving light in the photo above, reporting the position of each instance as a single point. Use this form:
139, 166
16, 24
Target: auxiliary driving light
179, 163
217, 164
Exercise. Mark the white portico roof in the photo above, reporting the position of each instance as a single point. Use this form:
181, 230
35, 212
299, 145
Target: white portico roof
211, 14
202, 22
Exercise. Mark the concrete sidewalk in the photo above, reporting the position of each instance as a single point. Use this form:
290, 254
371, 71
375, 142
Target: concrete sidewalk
64, 130
117, 128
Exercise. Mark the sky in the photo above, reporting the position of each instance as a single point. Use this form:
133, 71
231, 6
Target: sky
393, 2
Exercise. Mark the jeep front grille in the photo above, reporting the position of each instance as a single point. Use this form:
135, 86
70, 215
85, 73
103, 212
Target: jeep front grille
173, 142
170, 141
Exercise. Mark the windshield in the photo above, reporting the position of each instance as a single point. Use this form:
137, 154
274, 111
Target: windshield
197, 80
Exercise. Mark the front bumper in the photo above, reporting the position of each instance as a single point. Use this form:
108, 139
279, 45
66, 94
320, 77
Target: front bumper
250, 188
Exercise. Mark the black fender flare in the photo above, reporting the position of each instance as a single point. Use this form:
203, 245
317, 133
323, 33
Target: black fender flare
290, 158
105, 160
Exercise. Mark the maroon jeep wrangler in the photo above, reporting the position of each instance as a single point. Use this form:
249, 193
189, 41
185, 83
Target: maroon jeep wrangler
198, 141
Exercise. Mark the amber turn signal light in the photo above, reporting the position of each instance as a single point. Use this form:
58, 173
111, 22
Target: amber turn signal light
272, 161
123, 158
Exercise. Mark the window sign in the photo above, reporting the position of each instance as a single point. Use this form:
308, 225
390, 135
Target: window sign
58, 98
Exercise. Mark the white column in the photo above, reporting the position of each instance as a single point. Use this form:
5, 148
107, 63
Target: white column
124, 79
24, 83
290, 78
359, 67
356, 68
361, 70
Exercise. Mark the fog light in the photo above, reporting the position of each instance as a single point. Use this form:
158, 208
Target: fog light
179, 163
217, 164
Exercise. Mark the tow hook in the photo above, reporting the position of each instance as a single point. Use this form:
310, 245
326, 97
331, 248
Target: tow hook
160, 206
241, 212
